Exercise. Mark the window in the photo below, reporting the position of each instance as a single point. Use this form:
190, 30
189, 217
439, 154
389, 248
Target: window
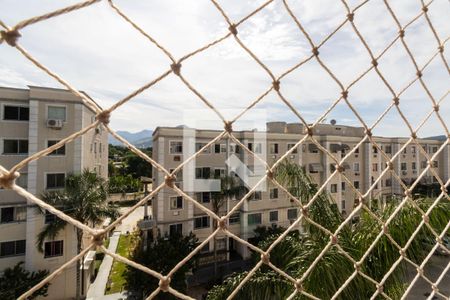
273, 216
403, 167
388, 149
257, 148
205, 249
60, 151
373, 181
290, 146
176, 202
273, 148
375, 167
435, 164
388, 182
356, 150
55, 180
374, 150
423, 164
176, 229
273, 193
413, 166
254, 219
201, 222
220, 148
49, 217
413, 149
219, 172
176, 147
7, 214
356, 184
342, 204
405, 150
53, 248
435, 149
56, 113
16, 113
343, 186
356, 167
235, 148
15, 146
292, 214
12, 248
256, 196
334, 188
13, 214
235, 218
22, 180
199, 146
204, 197
203, 173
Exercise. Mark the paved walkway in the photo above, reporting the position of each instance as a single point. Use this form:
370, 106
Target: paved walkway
97, 288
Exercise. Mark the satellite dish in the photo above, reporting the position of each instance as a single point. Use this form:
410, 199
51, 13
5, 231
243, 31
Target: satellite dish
333, 122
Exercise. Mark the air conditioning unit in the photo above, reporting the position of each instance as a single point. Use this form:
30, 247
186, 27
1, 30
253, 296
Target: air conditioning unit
176, 158
52, 123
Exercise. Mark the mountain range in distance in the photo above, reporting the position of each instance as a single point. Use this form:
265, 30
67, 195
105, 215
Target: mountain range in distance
141, 139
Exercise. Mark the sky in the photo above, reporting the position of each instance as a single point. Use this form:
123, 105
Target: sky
96, 51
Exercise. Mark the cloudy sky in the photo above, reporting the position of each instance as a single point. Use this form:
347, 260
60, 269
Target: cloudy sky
99, 53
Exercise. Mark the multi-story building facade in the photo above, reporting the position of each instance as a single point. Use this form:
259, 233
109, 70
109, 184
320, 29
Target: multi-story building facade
30, 121
270, 205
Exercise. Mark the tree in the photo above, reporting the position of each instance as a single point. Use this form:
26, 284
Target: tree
230, 186
16, 281
161, 256
84, 198
296, 252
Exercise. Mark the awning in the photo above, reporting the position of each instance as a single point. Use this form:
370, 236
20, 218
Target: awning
313, 148
315, 167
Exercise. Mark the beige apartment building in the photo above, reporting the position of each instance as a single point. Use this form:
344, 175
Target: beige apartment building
31, 120
270, 206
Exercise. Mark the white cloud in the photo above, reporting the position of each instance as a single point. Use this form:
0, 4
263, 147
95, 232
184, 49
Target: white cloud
96, 51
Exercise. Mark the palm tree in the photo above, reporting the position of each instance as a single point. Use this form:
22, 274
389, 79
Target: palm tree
297, 251
84, 198
230, 187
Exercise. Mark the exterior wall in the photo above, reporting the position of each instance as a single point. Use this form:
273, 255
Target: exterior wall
362, 166
78, 155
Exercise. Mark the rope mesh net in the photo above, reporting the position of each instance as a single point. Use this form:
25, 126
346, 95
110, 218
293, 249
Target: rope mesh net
11, 36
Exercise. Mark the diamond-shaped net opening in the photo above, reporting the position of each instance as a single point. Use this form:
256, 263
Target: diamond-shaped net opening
355, 264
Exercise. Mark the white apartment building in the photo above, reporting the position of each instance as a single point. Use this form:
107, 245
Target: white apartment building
31, 120
271, 206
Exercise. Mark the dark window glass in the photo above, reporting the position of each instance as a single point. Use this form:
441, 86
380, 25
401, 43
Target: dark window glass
59, 151
20, 247
54, 248
7, 248
176, 229
55, 181
7, 214
17, 113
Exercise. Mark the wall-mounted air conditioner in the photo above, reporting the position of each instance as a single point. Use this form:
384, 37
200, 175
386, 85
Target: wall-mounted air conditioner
53, 123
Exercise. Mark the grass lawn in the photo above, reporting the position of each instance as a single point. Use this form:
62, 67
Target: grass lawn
116, 280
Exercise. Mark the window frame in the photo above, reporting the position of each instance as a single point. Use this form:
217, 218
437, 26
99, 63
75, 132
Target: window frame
55, 245
271, 219
205, 222
48, 106
18, 146
179, 199
55, 152
4, 105
15, 250
47, 181
288, 212
259, 222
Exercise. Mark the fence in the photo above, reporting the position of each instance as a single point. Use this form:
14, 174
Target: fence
11, 36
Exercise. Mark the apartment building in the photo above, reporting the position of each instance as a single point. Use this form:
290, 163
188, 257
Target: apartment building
31, 120
270, 205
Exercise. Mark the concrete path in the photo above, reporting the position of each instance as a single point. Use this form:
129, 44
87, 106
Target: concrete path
97, 288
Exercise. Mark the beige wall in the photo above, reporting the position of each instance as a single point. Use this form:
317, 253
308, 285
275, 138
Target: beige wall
79, 154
